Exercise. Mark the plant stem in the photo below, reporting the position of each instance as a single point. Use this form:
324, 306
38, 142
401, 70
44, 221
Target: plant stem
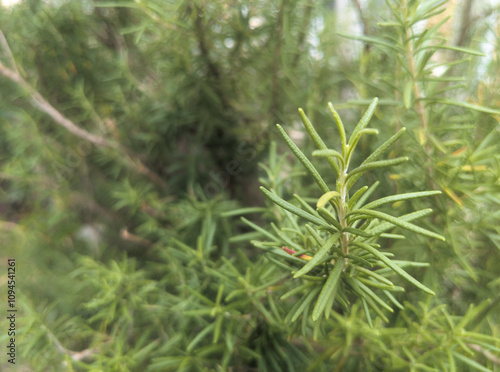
418, 96
342, 212
416, 90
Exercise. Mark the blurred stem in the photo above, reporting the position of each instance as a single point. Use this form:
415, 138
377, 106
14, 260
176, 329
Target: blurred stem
418, 93
40, 103
342, 212
465, 22
6, 48
364, 22
416, 90
276, 60
43, 105
74, 355
213, 69
303, 32
488, 354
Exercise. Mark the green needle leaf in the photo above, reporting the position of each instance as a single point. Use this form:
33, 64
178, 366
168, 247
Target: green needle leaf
353, 199
407, 217
329, 153
456, 49
470, 362
398, 222
353, 176
200, 336
304, 160
328, 217
377, 164
376, 276
325, 198
296, 290
260, 229
352, 230
393, 299
308, 299
295, 210
323, 251
374, 41
328, 289
394, 267
367, 312
371, 294
305, 205
364, 196
317, 139
383, 147
363, 122
395, 198
354, 141
340, 126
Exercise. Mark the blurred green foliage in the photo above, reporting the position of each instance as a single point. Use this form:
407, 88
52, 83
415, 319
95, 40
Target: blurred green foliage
134, 134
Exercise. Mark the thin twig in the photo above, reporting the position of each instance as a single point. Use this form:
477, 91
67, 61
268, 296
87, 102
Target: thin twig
43, 105
465, 23
40, 103
75, 355
126, 235
488, 354
364, 21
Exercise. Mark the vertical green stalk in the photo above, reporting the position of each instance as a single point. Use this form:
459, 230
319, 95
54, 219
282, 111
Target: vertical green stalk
342, 212
417, 92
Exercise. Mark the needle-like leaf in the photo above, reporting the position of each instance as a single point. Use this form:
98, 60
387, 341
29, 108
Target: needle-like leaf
292, 208
395, 198
304, 160
394, 267
328, 289
398, 222
323, 251
363, 122
317, 139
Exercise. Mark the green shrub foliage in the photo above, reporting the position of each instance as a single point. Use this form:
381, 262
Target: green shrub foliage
134, 136
343, 229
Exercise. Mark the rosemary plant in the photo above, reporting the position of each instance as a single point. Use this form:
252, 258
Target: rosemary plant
337, 255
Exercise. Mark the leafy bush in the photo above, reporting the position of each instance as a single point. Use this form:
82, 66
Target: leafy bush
134, 136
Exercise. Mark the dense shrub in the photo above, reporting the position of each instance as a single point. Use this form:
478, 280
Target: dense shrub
134, 136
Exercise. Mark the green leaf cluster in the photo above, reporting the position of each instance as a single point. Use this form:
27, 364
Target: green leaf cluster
343, 231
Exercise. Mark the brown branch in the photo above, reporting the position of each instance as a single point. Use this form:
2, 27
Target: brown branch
40, 103
465, 23
5, 47
139, 167
364, 21
43, 105
127, 236
488, 354
75, 355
